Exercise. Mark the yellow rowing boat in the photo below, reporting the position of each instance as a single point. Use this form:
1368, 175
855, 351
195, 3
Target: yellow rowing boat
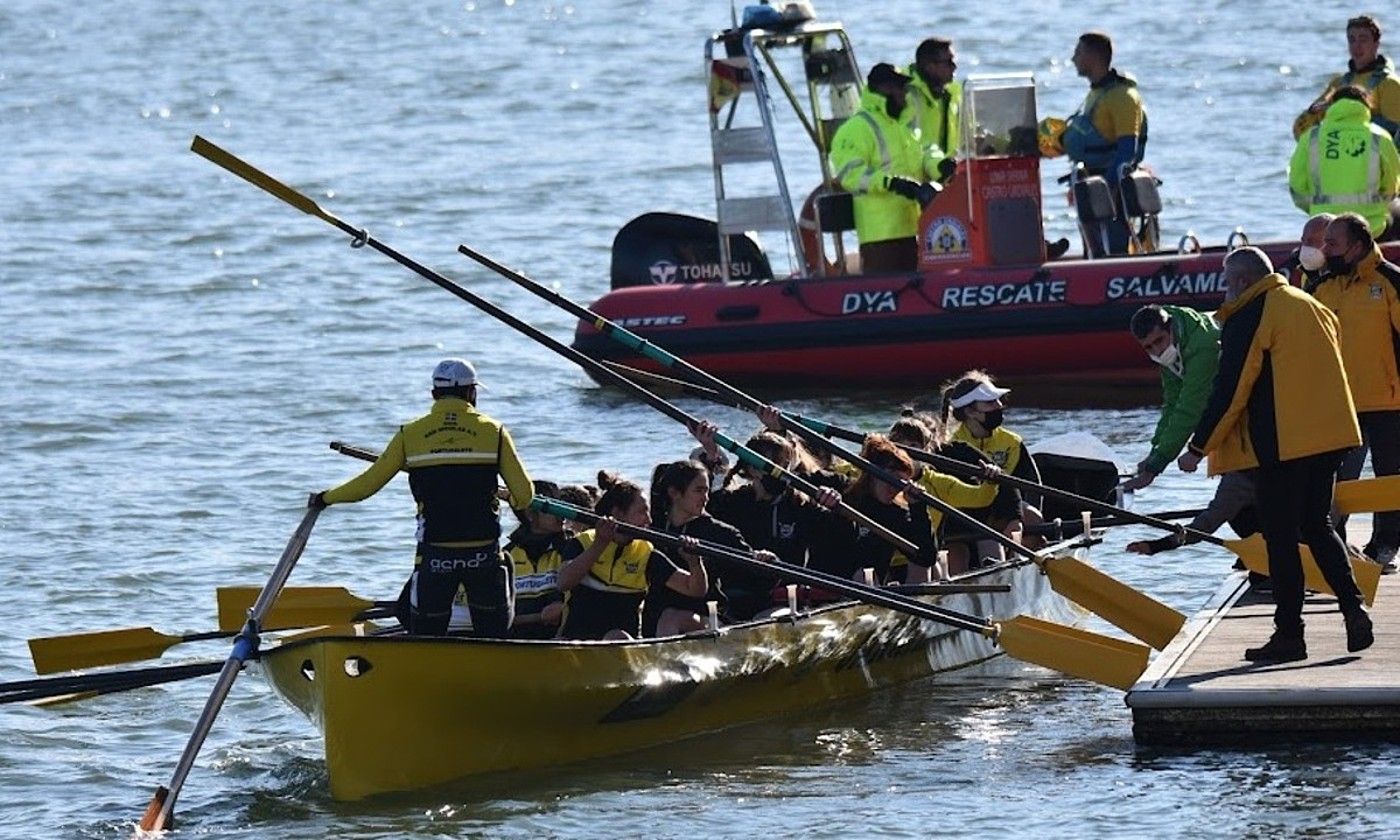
401, 713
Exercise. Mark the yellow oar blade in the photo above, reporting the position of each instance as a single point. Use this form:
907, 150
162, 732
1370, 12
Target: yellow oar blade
1079, 653
1116, 602
1369, 495
300, 606
257, 177
91, 650
1254, 553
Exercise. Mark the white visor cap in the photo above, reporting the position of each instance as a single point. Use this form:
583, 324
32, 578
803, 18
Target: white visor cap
984, 392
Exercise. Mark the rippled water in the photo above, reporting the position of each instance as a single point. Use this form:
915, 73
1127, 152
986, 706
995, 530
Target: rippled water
179, 348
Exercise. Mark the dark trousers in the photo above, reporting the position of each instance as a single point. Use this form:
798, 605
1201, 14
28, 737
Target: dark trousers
1295, 500
441, 572
1380, 433
889, 256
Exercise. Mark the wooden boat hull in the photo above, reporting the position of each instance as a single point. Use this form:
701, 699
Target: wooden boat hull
402, 713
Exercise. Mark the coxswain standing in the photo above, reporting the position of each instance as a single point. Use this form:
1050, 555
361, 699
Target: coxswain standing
453, 455
1281, 403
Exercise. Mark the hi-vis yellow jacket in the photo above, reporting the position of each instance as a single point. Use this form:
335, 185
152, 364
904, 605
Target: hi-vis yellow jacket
1281, 392
868, 150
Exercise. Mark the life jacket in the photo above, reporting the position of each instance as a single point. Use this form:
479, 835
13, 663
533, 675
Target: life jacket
620, 568
536, 559
452, 455
1083, 141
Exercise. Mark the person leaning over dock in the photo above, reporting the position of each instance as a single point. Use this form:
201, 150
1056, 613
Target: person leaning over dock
606, 574
879, 159
452, 455
1108, 134
1347, 163
1363, 290
1369, 70
1185, 345
1307, 264
1280, 403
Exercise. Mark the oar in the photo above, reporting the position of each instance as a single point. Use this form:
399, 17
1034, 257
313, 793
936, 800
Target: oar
1369, 495
1074, 527
1126, 607
1079, 653
87, 685
107, 647
162, 806
361, 238
298, 606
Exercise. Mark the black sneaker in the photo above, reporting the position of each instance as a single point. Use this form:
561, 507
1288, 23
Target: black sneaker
1260, 583
1359, 631
1279, 648
1385, 556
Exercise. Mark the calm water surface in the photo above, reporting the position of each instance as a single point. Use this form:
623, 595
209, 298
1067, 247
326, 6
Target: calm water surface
179, 348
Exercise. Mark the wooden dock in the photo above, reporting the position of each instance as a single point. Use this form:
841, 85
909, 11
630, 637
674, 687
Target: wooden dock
1201, 689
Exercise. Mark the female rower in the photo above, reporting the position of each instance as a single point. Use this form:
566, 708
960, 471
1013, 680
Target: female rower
914, 432
974, 402
535, 552
680, 493
607, 575
852, 548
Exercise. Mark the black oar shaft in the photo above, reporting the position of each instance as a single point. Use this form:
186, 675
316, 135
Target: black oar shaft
28, 690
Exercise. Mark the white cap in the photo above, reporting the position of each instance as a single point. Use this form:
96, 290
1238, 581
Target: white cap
454, 373
984, 392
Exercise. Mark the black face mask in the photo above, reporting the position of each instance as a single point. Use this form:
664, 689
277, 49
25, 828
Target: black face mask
1338, 264
772, 486
993, 418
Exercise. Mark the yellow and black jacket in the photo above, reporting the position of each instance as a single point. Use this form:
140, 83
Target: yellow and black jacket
452, 455
1367, 305
536, 559
610, 596
1281, 392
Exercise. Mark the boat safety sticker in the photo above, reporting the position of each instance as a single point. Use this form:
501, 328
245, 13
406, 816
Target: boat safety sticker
1164, 285
1003, 294
945, 238
853, 303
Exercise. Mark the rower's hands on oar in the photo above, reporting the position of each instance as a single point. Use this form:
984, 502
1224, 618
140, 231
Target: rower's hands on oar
765, 556
705, 432
771, 418
827, 497
605, 529
690, 550
988, 471
1188, 461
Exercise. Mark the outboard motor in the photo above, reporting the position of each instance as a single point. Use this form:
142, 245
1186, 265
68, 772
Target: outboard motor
666, 248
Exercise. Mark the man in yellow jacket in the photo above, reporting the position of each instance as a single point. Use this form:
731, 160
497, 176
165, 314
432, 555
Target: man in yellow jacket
452, 455
1280, 402
1369, 70
1361, 288
1346, 163
879, 159
935, 100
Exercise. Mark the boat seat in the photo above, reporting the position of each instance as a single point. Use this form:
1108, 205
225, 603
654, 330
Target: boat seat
1093, 202
836, 212
1140, 196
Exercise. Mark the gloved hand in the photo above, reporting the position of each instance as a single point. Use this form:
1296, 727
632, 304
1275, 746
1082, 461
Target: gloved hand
906, 187
946, 168
928, 192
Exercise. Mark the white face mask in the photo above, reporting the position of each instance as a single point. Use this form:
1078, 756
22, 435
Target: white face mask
1311, 258
1170, 359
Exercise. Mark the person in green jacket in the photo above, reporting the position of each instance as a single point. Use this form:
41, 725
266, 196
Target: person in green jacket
1346, 164
935, 100
880, 160
1185, 343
